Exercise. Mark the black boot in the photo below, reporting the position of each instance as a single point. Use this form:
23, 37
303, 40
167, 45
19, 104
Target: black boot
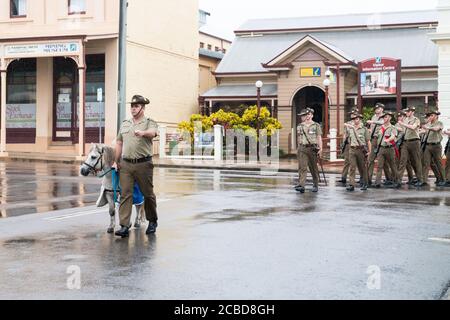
151, 227
343, 180
350, 188
315, 189
123, 232
300, 189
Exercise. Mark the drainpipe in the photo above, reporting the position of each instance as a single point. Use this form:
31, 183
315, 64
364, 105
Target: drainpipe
121, 114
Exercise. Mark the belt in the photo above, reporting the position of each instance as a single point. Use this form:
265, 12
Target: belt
417, 139
358, 147
309, 145
140, 160
387, 147
433, 144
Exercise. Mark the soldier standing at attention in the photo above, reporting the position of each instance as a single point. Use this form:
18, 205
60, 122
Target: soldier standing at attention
386, 154
309, 149
399, 141
411, 146
375, 124
360, 148
433, 148
134, 145
346, 151
447, 155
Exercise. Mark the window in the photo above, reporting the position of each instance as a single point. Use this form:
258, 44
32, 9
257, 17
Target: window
217, 49
18, 8
209, 47
77, 6
202, 45
224, 51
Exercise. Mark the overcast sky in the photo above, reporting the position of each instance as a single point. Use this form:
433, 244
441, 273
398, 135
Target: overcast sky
228, 15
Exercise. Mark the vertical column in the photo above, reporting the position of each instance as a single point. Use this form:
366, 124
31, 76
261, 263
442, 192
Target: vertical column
218, 143
3, 110
81, 140
162, 141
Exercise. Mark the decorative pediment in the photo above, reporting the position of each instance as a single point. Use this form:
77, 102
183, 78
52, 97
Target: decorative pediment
311, 55
322, 51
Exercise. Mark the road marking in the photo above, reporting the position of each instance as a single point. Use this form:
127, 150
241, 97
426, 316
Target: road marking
446, 240
87, 213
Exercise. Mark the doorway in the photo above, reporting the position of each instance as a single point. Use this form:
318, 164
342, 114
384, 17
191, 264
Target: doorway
65, 115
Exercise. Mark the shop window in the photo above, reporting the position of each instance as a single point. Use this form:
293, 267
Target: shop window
95, 98
21, 102
77, 6
18, 8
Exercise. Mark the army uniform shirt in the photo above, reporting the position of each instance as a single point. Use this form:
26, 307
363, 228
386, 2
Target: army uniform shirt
389, 131
308, 134
358, 136
412, 134
435, 136
136, 147
376, 125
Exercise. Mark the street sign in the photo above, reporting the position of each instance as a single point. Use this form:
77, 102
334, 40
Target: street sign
310, 72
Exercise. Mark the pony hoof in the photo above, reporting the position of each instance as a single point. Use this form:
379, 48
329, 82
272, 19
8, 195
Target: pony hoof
110, 230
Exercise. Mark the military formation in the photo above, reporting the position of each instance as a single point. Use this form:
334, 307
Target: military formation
408, 145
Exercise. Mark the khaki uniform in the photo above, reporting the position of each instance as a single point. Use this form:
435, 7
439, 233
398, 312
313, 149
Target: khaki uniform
447, 165
401, 134
411, 150
358, 138
135, 148
374, 129
308, 137
346, 155
433, 153
386, 154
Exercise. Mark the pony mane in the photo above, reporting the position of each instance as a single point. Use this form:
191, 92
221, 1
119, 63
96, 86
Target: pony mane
108, 153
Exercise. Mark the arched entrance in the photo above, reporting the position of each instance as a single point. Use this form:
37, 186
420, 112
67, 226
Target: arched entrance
311, 97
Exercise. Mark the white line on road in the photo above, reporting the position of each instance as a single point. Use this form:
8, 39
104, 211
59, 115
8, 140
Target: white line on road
81, 214
446, 240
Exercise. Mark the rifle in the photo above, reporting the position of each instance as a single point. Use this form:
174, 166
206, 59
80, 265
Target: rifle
377, 150
344, 145
323, 171
423, 143
447, 146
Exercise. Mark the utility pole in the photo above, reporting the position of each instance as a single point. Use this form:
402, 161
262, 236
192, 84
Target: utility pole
121, 111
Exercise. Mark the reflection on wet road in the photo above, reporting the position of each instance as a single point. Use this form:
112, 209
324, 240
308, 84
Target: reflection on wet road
222, 235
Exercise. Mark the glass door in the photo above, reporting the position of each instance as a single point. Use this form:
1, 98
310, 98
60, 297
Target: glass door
65, 100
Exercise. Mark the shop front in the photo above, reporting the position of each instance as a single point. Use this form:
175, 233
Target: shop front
54, 95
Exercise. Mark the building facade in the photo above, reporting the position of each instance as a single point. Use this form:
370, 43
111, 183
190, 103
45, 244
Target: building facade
291, 56
211, 51
442, 39
59, 70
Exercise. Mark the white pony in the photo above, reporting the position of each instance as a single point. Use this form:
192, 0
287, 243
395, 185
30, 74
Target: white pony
100, 160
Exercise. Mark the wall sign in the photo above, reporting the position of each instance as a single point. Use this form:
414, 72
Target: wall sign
310, 72
42, 49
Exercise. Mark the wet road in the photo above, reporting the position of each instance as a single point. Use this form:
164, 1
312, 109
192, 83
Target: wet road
222, 235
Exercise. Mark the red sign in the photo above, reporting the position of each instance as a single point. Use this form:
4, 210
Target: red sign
379, 65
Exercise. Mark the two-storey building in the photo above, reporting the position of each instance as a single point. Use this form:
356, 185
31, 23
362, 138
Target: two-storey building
59, 70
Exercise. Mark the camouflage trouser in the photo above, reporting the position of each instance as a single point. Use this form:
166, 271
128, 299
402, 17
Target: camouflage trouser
357, 159
432, 157
386, 156
346, 162
371, 166
410, 151
307, 158
447, 167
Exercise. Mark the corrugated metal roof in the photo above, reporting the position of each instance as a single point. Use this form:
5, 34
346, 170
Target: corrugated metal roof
364, 19
212, 54
241, 91
413, 46
411, 86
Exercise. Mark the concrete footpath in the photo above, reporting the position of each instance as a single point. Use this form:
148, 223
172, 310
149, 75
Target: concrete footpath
284, 165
